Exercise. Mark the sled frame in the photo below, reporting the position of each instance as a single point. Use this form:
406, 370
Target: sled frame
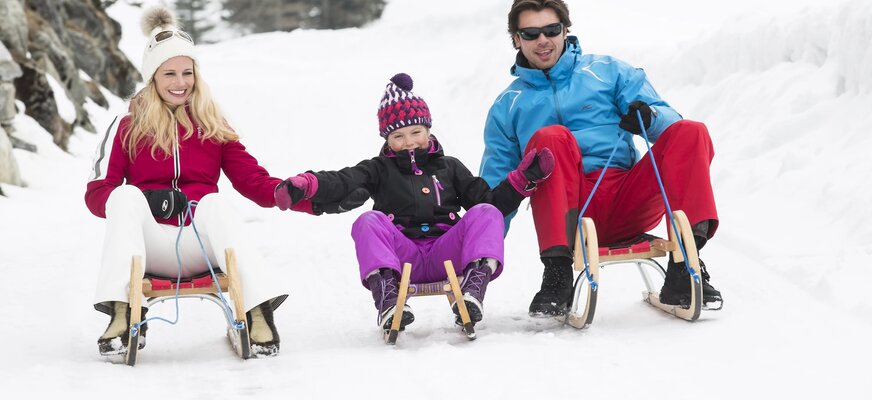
657, 248
229, 282
449, 288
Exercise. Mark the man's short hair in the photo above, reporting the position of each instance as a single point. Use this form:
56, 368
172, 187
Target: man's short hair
519, 6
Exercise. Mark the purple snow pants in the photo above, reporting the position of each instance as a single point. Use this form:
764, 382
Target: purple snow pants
380, 244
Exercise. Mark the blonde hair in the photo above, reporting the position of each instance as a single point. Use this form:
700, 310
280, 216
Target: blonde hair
155, 121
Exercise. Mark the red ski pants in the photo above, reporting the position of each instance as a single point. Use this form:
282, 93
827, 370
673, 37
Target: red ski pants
627, 202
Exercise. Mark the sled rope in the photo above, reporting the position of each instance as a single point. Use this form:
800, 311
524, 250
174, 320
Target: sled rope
189, 216
593, 285
665, 200
662, 192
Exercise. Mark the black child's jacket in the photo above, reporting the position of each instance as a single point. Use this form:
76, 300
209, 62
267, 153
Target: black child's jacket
422, 190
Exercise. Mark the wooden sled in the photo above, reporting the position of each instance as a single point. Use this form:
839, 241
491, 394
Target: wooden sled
158, 290
449, 288
641, 254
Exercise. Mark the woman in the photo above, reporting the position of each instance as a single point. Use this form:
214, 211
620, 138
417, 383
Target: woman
170, 149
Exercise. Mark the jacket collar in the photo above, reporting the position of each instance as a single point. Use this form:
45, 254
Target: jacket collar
561, 71
417, 160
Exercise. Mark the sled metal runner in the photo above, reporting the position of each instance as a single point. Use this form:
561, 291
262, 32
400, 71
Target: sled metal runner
449, 288
641, 254
160, 290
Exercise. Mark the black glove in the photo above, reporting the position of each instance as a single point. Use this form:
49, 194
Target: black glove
287, 193
630, 122
166, 203
354, 199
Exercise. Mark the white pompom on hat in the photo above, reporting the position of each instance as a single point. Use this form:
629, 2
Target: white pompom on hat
175, 43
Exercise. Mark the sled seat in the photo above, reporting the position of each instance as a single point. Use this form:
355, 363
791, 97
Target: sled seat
159, 289
449, 288
153, 286
642, 246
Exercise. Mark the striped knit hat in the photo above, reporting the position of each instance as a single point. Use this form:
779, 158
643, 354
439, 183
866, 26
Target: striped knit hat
400, 107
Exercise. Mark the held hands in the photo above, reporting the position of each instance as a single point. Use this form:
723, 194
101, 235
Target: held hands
166, 203
294, 189
630, 122
535, 167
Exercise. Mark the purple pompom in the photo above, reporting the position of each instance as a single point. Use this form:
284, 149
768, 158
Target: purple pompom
403, 81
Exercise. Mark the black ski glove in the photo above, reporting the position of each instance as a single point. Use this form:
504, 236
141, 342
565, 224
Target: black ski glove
288, 193
166, 203
354, 199
630, 122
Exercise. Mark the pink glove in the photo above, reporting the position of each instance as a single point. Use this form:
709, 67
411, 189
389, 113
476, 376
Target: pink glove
294, 189
535, 167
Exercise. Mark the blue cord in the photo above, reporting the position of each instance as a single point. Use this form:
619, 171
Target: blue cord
228, 311
189, 216
665, 200
662, 192
593, 285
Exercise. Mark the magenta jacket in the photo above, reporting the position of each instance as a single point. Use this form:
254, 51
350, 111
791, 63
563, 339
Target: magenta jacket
194, 168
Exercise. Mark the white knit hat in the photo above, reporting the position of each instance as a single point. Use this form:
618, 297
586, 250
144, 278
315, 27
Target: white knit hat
163, 46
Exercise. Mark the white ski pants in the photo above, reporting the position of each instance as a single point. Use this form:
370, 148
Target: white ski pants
132, 230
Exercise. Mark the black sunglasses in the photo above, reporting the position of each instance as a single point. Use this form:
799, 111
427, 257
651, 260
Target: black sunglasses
551, 30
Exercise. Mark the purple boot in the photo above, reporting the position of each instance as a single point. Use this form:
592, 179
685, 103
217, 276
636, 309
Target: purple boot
383, 285
475, 279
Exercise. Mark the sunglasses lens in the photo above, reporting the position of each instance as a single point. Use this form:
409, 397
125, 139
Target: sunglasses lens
552, 30
533, 33
161, 36
529, 33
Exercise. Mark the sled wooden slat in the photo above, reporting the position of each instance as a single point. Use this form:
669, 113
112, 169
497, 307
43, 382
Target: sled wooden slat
429, 289
657, 248
185, 287
692, 312
136, 296
468, 326
234, 284
136, 272
401, 298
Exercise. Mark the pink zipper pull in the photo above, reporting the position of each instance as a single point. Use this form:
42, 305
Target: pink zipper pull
414, 164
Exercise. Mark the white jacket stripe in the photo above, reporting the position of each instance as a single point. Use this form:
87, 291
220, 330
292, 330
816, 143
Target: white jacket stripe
101, 155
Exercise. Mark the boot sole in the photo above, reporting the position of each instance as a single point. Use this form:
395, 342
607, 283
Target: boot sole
408, 318
475, 313
548, 310
683, 300
260, 350
546, 314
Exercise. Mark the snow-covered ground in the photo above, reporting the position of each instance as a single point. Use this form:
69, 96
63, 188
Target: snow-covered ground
785, 87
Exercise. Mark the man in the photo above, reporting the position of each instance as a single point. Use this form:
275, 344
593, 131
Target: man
580, 105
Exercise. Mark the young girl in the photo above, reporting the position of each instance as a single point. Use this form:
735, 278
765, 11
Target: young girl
418, 192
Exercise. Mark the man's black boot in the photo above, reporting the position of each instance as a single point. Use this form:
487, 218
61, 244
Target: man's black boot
555, 295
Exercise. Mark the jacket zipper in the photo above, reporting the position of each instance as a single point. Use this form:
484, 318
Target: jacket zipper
414, 164
438, 188
177, 169
556, 99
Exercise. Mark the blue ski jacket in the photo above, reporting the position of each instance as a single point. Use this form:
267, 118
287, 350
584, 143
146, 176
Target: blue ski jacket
587, 93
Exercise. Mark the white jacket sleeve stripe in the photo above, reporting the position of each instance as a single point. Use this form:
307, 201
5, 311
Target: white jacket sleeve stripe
101, 155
